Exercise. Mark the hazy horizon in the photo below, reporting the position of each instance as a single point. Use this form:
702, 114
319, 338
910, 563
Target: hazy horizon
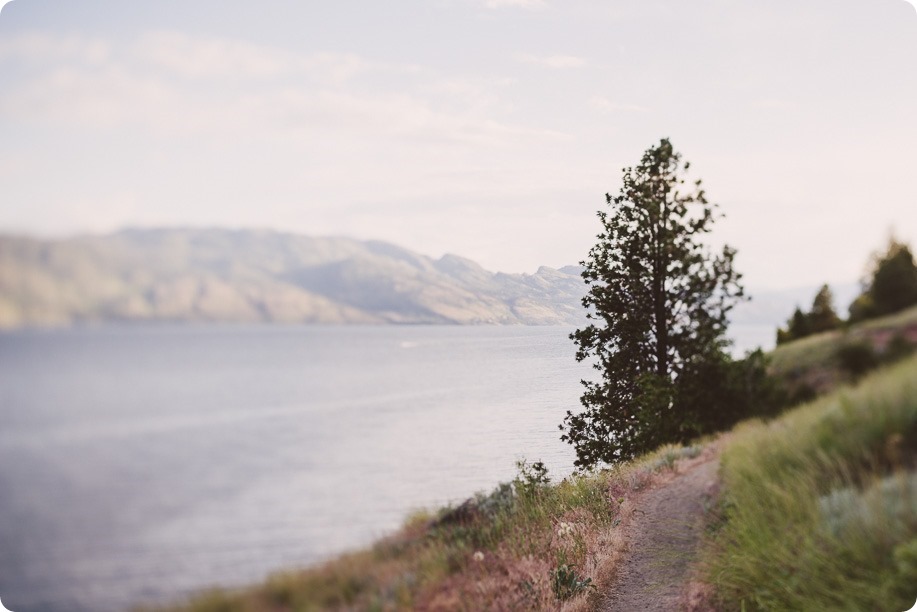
844, 284
487, 128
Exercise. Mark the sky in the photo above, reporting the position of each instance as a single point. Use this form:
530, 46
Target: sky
487, 128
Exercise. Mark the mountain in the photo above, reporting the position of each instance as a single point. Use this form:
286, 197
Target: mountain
265, 276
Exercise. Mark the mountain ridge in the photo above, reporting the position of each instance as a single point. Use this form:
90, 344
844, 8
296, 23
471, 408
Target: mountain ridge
267, 276
186, 274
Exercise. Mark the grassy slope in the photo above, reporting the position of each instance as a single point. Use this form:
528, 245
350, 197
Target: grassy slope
820, 505
543, 547
816, 353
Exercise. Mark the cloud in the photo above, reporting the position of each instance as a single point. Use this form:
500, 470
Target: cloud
603, 104
526, 4
551, 61
196, 58
171, 84
218, 58
39, 48
178, 54
774, 104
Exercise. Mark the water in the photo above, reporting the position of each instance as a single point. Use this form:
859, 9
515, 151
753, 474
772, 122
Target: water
140, 464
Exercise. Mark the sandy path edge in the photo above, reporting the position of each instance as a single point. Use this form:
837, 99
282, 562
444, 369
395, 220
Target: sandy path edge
662, 540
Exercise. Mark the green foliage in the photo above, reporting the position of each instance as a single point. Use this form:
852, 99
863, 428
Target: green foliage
862, 309
821, 318
729, 390
898, 348
531, 478
499, 500
857, 358
658, 301
901, 584
892, 285
797, 327
566, 582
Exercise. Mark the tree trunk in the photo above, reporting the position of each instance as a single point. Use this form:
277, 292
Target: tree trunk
659, 306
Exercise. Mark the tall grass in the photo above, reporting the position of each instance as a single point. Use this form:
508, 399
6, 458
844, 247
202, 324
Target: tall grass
528, 545
819, 510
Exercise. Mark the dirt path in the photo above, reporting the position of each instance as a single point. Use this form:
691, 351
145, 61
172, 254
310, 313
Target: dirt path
662, 541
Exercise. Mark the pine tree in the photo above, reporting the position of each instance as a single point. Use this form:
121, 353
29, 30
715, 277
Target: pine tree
822, 317
658, 301
892, 285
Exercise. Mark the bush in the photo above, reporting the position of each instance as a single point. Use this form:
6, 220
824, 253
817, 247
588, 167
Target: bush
857, 358
720, 393
898, 348
532, 478
567, 583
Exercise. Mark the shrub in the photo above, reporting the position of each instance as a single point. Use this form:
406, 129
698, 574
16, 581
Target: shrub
566, 582
531, 478
898, 348
857, 358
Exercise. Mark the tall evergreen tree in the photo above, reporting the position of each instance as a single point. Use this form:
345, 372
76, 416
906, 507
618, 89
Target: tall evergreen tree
658, 301
892, 285
822, 317
797, 327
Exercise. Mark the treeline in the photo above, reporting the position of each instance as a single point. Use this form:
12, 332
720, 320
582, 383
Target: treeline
890, 286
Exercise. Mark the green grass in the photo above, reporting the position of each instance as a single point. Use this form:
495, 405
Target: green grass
818, 351
906, 317
819, 510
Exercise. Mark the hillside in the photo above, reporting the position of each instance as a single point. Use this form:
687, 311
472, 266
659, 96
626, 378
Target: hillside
264, 276
820, 362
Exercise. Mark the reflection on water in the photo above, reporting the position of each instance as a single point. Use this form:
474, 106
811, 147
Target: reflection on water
137, 464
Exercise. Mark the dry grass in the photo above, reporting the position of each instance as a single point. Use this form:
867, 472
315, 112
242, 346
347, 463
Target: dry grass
503, 555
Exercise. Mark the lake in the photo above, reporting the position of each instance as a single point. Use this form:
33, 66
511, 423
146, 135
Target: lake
138, 464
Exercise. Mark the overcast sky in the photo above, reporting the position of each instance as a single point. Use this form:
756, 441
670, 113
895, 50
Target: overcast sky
487, 128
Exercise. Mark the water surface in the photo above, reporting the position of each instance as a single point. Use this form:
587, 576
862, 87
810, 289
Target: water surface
138, 464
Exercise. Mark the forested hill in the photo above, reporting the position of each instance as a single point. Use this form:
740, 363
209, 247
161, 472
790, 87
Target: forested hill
264, 276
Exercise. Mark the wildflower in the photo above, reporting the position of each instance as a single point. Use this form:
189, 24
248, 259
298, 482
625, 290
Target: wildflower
564, 529
478, 556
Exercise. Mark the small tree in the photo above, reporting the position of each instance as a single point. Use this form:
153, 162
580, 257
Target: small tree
797, 327
658, 299
822, 317
892, 286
